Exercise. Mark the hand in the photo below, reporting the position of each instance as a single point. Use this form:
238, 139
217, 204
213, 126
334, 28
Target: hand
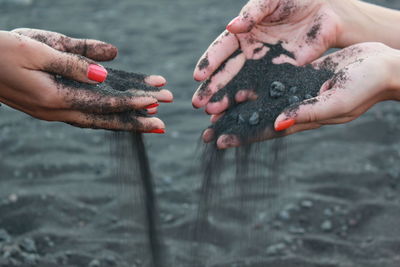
307, 28
28, 64
365, 74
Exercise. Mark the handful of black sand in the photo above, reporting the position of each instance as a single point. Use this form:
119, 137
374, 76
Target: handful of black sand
278, 87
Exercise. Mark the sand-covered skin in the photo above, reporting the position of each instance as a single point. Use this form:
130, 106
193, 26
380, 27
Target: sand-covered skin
60, 190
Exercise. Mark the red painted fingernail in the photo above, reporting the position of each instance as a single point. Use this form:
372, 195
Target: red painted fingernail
157, 131
152, 106
284, 125
97, 73
152, 113
161, 85
232, 22
167, 101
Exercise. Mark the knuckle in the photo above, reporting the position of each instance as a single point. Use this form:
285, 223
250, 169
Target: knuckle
312, 115
114, 102
50, 100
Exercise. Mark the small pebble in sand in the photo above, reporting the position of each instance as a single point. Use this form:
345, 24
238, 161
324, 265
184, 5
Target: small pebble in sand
13, 198
28, 245
240, 119
94, 263
284, 215
293, 100
277, 90
293, 90
276, 249
48, 241
307, 204
30, 259
308, 96
328, 212
4, 236
254, 119
169, 218
327, 226
297, 230
110, 260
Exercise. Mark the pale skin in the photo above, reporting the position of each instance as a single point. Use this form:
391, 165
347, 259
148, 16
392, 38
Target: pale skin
340, 23
28, 62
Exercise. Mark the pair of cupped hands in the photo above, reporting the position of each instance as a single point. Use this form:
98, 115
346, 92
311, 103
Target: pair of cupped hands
30, 58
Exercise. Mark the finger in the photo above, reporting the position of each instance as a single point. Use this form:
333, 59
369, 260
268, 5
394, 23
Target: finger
245, 95
69, 65
152, 111
116, 121
101, 102
217, 107
208, 135
92, 49
219, 80
155, 80
220, 50
323, 107
151, 80
228, 141
215, 118
94, 99
252, 13
301, 128
163, 96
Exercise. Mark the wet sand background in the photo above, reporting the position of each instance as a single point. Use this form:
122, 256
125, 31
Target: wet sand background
333, 201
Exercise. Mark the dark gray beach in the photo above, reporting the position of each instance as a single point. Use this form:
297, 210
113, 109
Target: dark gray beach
331, 199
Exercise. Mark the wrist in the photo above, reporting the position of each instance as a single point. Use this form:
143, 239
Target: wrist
360, 22
353, 22
394, 81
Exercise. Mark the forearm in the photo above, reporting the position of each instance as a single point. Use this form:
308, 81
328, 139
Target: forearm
365, 22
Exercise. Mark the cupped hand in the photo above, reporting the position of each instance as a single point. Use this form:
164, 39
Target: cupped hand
365, 74
29, 61
306, 28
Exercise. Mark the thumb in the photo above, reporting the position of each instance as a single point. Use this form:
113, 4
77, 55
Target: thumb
72, 66
252, 13
321, 108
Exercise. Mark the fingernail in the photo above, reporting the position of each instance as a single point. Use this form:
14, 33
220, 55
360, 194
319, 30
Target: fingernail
152, 113
165, 101
284, 125
157, 131
232, 22
161, 85
152, 106
97, 73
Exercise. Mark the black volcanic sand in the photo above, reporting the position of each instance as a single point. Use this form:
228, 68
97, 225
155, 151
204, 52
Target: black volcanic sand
278, 87
132, 157
332, 197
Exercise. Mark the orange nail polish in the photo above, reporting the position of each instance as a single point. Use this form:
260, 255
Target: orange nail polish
97, 73
284, 125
